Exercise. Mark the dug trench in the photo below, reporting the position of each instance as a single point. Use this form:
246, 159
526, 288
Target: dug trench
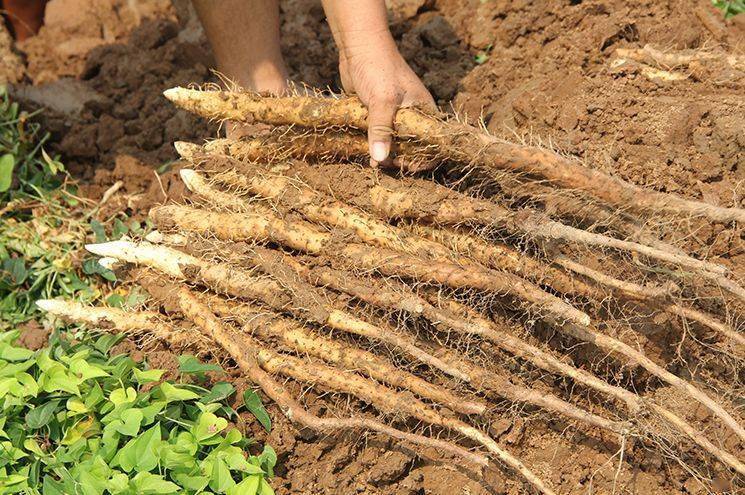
690, 154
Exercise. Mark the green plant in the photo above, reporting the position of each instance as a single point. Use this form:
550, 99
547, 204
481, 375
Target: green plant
25, 168
77, 421
730, 8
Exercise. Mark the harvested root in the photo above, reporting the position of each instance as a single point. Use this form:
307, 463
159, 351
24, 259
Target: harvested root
501, 256
226, 279
122, 321
407, 201
393, 263
116, 320
265, 226
382, 397
302, 341
453, 139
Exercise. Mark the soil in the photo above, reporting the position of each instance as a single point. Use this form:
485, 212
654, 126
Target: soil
546, 72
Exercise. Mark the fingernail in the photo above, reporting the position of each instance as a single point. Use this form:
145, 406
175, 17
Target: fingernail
379, 151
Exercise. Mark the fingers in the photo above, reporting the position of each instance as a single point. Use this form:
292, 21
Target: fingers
419, 99
380, 114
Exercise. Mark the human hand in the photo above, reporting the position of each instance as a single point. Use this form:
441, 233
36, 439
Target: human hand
384, 82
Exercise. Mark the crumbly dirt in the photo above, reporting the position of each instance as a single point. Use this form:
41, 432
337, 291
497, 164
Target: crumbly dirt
540, 71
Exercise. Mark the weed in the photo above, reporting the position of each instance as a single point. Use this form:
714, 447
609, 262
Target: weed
730, 8
78, 421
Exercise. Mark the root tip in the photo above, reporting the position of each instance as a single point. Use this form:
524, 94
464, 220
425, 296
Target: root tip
49, 305
185, 149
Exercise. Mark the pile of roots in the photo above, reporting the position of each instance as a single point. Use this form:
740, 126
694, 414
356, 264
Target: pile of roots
506, 274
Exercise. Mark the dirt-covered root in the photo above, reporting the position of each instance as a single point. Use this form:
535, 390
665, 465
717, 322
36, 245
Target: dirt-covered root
501, 256
543, 359
266, 226
267, 326
302, 341
657, 297
453, 139
681, 58
275, 289
121, 321
290, 195
322, 147
381, 397
393, 263
220, 277
258, 225
610, 344
422, 200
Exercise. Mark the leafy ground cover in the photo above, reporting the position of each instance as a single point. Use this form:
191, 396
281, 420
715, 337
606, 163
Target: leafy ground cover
76, 419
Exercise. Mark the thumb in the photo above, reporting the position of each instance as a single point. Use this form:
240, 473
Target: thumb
380, 115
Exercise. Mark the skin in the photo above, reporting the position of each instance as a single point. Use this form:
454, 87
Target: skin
244, 35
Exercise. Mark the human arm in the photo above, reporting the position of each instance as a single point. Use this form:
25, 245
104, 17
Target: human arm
372, 68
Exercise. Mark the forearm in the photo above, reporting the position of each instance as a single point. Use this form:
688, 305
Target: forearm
358, 26
244, 35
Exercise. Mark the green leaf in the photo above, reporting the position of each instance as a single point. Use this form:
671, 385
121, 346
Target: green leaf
98, 230
268, 459
189, 364
7, 163
15, 270
207, 426
147, 483
265, 488
85, 371
171, 393
41, 415
254, 404
221, 390
13, 353
123, 396
221, 479
129, 422
141, 453
191, 482
57, 379
249, 486
148, 376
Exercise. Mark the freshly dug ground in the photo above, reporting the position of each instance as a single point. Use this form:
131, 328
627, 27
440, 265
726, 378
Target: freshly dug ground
546, 74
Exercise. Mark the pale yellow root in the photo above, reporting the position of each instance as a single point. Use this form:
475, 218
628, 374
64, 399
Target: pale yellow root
545, 360
131, 322
277, 294
397, 264
330, 351
456, 140
113, 319
302, 341
383, 398
405, 200
266, 226
658, 296
603, 341
314, 206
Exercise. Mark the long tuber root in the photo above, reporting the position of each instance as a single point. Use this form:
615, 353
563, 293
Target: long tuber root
265, 226
112, 319
398, 264
455, 140
382, 397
